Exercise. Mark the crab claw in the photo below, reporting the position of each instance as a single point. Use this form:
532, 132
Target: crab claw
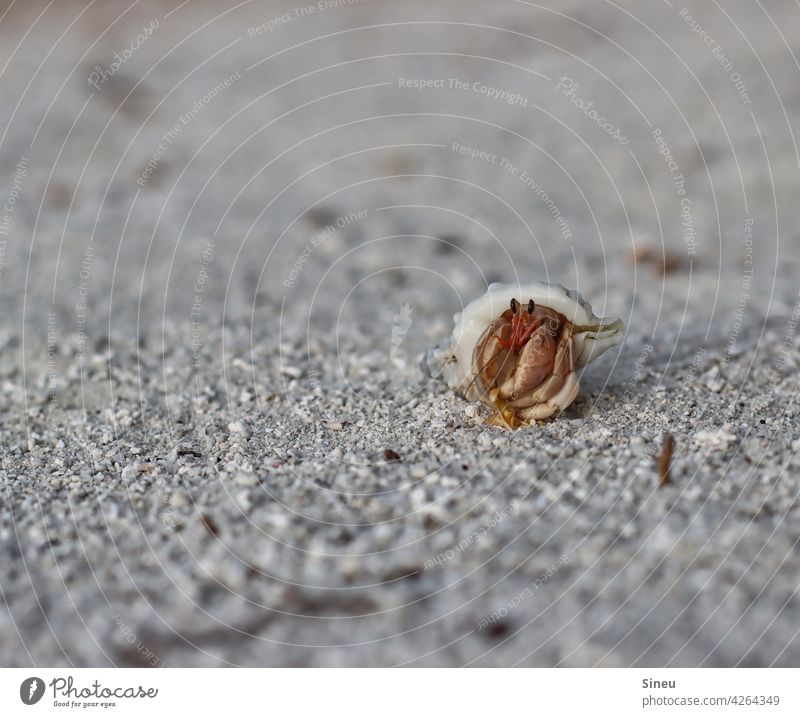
536, 363
560, 389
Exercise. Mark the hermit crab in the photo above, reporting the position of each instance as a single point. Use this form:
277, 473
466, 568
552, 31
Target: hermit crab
517, 349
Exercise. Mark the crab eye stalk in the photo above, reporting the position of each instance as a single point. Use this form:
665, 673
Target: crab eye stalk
513, 306
531, 306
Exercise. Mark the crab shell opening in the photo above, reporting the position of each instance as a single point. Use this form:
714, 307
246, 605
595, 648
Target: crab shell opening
593, 334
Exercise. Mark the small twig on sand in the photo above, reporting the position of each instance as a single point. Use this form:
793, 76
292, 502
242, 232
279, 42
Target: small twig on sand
665, 461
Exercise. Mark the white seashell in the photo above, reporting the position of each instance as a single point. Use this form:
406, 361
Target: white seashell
570, 337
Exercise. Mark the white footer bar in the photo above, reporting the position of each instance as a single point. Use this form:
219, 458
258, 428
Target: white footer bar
400, 693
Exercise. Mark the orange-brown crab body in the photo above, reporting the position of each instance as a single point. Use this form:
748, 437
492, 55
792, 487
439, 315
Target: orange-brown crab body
522, 359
